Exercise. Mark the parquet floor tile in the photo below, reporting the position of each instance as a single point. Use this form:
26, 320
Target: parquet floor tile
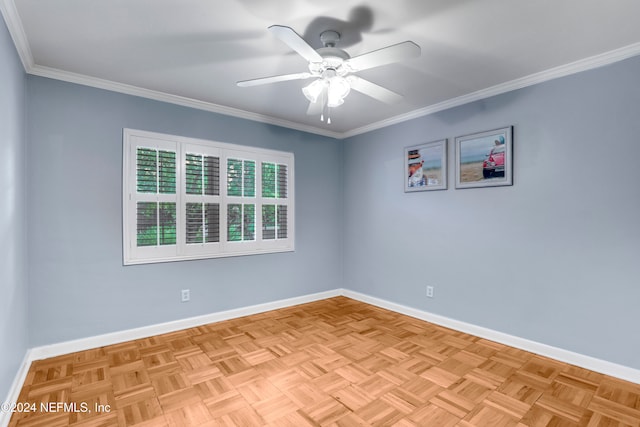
334, 363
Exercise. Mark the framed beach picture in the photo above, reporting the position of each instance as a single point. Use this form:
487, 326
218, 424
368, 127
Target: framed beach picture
425, 166
485, 159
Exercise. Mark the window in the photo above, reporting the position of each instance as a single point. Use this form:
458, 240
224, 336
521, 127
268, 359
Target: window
190, 199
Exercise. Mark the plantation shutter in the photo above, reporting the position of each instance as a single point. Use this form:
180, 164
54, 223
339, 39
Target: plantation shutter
190, 199
152, 199
202, 180
202, 199
156, 175
274, 209
241, 187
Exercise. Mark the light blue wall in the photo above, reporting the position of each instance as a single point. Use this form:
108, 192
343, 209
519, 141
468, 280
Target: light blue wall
78, 285
554, 258
13, 272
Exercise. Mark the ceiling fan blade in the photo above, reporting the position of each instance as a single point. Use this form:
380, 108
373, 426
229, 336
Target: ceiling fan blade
295, 42
373, 90
273, 79
386, 55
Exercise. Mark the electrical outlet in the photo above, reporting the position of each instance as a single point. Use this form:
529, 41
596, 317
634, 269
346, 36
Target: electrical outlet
429, 291
186, 295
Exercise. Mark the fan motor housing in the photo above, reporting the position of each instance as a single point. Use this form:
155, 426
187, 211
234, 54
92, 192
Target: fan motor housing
329, 38
332, 58
328, 53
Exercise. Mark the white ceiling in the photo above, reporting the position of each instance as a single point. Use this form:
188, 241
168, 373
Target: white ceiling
192, 52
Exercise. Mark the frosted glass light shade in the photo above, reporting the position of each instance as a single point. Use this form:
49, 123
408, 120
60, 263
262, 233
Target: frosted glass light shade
313, 90
339, 88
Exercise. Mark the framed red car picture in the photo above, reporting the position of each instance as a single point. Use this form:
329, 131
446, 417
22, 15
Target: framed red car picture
485, 159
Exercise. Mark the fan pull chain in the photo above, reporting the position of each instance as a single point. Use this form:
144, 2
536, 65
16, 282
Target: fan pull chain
328, 110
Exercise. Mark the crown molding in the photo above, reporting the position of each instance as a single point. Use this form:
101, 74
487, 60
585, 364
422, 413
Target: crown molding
85, 80
16, 30
14, 24
530, 80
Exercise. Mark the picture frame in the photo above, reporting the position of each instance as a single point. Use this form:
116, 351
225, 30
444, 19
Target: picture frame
485, 159
425, 166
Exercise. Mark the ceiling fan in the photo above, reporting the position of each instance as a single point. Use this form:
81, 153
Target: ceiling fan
332, 70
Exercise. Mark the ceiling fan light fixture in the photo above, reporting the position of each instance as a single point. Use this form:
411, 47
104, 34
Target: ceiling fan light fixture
339, 88
313, 90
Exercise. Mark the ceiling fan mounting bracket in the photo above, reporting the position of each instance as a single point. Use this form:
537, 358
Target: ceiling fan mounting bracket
329, 38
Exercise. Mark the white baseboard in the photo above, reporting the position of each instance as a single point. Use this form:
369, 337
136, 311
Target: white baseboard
16, 386
53, 350
58, 349
82, 344
566, 356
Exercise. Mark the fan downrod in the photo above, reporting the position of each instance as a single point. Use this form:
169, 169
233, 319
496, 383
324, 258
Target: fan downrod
332, 56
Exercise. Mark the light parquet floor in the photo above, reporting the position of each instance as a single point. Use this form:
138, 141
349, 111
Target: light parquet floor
336, 362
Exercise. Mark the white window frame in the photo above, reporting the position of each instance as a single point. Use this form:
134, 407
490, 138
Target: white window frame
132, 254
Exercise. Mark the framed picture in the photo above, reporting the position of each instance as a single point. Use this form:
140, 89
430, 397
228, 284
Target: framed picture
425, 166
485, 159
